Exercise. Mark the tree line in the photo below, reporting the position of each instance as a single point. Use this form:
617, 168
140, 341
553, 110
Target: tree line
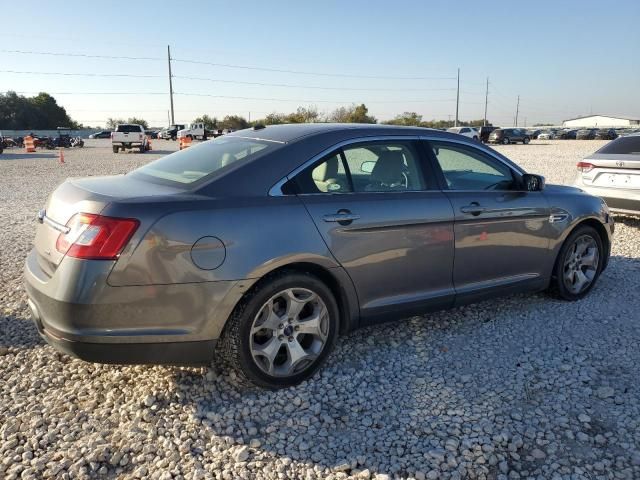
42, 112
351, 114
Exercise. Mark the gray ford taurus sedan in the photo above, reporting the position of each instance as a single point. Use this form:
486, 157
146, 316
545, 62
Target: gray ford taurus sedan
264, 245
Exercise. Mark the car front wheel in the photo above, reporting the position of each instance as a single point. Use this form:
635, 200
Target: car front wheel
282, 332
526, 140
579, 264
505, 141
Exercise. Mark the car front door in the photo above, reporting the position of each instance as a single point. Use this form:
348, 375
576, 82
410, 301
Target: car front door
501, 230
380, 212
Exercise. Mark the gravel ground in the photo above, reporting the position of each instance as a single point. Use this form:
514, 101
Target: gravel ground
522, 387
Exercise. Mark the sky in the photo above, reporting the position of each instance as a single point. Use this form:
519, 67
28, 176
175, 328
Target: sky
563, 58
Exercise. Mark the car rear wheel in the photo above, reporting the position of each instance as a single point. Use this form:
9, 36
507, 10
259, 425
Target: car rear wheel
579, 264
505, 141
115, 149
282, 332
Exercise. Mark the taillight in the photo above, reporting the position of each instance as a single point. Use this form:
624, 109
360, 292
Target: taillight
96, 237
112, 135
584, 167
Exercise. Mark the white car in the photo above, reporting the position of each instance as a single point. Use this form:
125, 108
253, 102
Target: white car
548, 135
466, 131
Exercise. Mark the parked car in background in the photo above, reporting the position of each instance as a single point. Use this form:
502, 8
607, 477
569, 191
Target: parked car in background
613, 173
466, 131
169, 263
484, 132
606, 134
586, 134
1, 143
547, 135
509, 135
102, 134
129, 137
533, 134
171, 132
153, 134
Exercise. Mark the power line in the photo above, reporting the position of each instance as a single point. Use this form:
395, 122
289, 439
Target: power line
82, 74
82, 55
246, 98
312, 101
228, 65
240, 82
300, 72
316, 87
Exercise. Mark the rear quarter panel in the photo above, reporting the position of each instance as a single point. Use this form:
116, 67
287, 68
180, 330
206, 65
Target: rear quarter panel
259, 234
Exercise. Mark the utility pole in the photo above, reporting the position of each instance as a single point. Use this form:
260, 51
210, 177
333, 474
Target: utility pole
457, 98
173, 120
517, 109
249, 117
486, 98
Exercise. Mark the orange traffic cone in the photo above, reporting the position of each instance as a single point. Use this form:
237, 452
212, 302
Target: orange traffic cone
29, 144
185, 142
61, 157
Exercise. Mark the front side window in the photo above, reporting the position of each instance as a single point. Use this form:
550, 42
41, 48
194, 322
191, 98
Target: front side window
365, 167
467, 168
187, 166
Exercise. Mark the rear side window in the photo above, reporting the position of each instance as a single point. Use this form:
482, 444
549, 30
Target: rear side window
195, 163
622, 146
368, 167
129, 129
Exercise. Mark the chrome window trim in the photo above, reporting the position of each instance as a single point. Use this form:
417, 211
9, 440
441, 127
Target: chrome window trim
276, 189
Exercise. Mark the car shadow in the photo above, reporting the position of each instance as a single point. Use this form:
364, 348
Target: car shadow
26, 156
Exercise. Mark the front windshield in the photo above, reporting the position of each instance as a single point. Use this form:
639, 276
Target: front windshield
194, 163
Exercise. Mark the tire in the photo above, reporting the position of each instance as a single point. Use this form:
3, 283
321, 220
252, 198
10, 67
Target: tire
506, 141
239, 349
115, 149
475, 138
561, 285
142, 148
526, 140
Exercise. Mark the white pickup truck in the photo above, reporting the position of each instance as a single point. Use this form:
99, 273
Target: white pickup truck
129, 137
194, 131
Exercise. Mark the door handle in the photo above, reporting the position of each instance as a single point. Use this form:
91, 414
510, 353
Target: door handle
474, 209
343, 217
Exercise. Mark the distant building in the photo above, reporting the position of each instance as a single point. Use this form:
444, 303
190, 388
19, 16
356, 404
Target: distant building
601, 121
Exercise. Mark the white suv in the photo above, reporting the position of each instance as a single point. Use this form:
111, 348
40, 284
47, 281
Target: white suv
466, 131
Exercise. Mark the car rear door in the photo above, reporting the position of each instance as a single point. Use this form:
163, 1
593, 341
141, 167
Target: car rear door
380, 212
501, 231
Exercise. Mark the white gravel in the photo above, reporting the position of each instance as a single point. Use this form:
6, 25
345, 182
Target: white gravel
522, 387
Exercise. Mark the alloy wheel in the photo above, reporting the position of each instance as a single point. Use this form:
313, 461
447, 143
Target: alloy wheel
289, 332
581, 264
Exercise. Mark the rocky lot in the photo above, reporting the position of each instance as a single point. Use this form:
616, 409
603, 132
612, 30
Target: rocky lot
522, 387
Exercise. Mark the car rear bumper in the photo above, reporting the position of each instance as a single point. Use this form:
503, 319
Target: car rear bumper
617, 199
78, 313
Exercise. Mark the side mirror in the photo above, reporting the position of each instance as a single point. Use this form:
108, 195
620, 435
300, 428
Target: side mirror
533, 183
367, 167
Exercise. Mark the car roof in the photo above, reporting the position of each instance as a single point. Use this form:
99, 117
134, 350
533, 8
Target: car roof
288, 133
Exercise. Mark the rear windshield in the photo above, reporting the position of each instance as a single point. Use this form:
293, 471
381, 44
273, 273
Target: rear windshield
129, 128
623, 146
187, 166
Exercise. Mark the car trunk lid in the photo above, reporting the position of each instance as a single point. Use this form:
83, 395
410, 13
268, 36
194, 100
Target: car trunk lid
87, 195
612, 170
